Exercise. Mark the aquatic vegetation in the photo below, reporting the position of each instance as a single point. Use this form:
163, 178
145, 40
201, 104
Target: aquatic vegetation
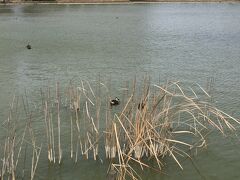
19, 145
151, 122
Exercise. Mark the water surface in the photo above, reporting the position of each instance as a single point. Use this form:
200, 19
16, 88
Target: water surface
177, 41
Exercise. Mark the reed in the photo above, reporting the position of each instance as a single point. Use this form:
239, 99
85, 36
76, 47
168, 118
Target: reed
16, 141
148, 124
150, 127
36, 151
48, 120
58, 123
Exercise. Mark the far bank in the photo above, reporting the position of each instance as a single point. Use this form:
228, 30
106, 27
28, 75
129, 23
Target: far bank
110, 1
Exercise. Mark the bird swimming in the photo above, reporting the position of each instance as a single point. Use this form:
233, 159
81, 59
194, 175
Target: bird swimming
115, 102
141, 106
28, 46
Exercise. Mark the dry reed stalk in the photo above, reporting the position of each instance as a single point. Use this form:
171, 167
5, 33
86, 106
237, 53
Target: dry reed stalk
52, 139
36, 151
77, 120
76, 156
71, 134
20, 147
97, 137
71, 95
45, 110
59, 123
49, 129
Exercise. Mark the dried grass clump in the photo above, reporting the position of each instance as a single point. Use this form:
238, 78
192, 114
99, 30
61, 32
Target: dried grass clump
165, 121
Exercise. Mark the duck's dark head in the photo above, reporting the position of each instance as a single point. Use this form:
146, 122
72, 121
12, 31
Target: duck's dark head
29, 46
141, 106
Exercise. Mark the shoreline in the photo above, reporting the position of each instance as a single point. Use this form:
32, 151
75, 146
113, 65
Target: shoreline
96, 2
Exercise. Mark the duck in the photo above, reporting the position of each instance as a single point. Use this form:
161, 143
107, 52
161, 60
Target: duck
28, 46
141, 106
115, 102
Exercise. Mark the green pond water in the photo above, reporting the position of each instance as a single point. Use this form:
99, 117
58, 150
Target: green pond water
189, 42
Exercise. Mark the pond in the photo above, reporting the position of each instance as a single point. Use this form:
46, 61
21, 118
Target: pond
186, 42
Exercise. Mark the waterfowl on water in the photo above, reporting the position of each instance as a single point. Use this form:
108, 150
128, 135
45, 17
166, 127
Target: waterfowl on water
115, 102
141, 106
28, 46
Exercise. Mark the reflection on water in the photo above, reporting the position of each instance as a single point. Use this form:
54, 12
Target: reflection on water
186, 42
